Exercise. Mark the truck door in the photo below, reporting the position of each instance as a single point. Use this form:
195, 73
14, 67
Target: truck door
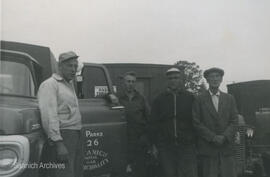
104, 125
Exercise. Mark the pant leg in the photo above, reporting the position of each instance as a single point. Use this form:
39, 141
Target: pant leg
139, 166
227, 166
210, 166
79, 158
168, 162
187, 161
48, 156
71, 141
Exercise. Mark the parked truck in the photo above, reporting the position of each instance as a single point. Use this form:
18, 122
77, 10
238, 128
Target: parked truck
22, 69
253, 103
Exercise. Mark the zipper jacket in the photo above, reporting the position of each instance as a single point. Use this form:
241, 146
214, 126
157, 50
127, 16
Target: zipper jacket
171, 118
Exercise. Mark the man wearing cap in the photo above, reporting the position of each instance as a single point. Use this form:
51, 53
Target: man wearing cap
171, 128
60, 115
137, 114
214, 115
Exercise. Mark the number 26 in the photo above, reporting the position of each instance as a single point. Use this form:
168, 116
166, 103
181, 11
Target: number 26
92, 143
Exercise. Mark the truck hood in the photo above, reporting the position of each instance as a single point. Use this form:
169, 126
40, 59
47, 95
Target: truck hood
18, 115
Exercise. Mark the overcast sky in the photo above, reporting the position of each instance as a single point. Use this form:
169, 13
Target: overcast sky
231, 34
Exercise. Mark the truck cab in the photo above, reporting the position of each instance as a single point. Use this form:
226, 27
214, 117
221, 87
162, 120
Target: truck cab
253, 103
22, 69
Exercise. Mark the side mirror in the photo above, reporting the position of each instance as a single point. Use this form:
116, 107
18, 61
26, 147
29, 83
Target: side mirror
79, 69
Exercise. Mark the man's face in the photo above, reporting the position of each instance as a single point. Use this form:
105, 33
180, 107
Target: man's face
129, 83
214, 79
175, 81
68, 69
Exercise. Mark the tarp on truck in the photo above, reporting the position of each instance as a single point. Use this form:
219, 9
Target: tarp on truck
42, 55
250, 97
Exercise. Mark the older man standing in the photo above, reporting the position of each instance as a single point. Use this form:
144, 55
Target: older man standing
60, 115
214, 115
172, 130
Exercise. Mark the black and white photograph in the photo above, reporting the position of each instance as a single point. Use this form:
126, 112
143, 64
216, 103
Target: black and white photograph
135, 88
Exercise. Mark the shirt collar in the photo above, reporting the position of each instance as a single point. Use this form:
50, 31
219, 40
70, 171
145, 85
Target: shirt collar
58, 77
136, 93
212, 94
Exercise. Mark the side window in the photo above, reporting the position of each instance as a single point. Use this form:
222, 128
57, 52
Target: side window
16, 77
94, 82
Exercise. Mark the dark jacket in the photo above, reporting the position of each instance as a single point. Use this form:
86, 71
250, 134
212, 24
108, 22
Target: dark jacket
169, 106
137, 115
137, 109
208, 123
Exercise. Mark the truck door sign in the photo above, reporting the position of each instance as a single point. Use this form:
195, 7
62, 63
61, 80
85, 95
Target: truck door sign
94, 155
102, 90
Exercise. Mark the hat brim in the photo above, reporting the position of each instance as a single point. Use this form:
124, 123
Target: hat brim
213, 70
172, 72
70, 58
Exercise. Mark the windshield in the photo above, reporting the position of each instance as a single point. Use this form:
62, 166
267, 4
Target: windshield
16, 78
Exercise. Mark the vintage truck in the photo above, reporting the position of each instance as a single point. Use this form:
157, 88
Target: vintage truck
22, 68
253, 150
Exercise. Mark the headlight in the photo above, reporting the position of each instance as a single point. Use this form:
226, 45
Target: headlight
249, 132
8, 159
14, 155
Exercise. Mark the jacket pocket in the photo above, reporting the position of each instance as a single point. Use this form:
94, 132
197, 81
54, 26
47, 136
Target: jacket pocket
64, 113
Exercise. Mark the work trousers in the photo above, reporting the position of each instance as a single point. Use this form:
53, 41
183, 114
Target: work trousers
218, 166
178, 160
71, 139
139, 168
138, 158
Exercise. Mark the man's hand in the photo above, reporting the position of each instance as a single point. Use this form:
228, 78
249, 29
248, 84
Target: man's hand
62, 152
219, 140
154, 151
128, 168
114, 99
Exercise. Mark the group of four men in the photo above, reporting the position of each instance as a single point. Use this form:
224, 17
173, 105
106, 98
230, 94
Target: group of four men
179, 126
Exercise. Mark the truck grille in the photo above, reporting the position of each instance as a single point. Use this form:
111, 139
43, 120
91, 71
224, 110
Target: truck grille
240, 149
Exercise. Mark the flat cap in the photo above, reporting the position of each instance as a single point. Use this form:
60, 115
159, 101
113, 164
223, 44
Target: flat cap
130, 73
172, 70
67, 55
212, 70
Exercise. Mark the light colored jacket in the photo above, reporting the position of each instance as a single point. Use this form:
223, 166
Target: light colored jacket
59, 107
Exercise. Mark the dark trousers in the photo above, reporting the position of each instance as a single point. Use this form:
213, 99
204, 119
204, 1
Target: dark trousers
139, 168
218, 166
137, 157
72, 168
178, 160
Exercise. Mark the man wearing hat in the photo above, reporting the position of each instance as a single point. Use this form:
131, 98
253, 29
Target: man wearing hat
60, 115
171, 128
214, 116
